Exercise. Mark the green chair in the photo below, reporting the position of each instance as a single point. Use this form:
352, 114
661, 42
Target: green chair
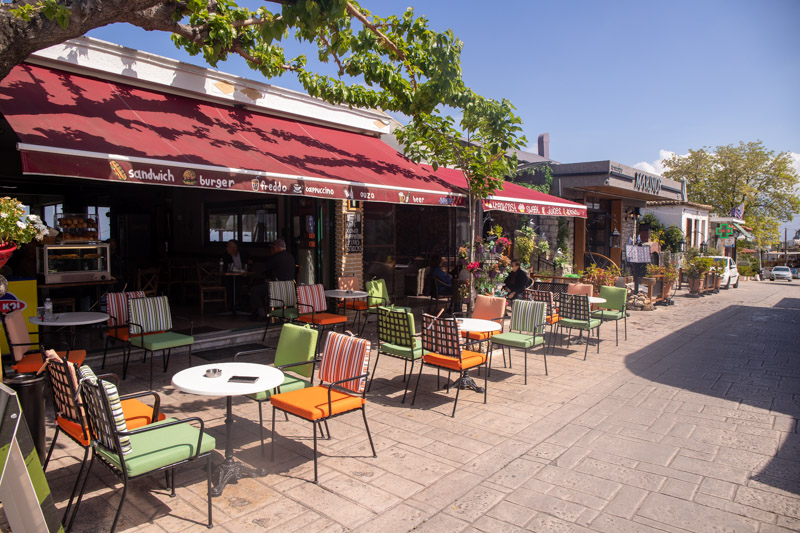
131, 454
615, 308
378, 296
525, 332
150, 324
396, 338
296, 350
282, 303
575, 314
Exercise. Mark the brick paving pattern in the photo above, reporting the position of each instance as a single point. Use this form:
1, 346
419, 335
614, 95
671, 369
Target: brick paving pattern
690, 425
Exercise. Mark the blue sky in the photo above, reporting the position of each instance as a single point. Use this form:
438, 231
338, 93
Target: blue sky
619, 80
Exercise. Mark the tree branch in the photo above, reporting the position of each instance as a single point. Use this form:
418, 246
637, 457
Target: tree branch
353, 10
242, 52
335, 56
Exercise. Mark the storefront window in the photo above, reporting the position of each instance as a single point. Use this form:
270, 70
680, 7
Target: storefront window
259, 223
223, 225
245, 223
52, 213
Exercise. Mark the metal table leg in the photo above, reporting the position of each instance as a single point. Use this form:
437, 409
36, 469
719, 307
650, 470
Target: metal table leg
229, 470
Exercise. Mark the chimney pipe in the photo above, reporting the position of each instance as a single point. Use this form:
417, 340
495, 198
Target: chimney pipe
544, 145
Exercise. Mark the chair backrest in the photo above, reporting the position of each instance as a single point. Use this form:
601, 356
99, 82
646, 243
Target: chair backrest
208, 274
541, 296
147, 280
348, 283
64, 384
378, 293
297, 344
527, 316
489, 308
345, 357
311, 297
152, 314
581, 288
19, 339
422, 278
396, 326
117, 306
551, 286
440, 336
574, 307
616, 297
282, 293
104, 412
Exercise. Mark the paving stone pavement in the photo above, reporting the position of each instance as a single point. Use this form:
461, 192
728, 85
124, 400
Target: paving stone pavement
689, 425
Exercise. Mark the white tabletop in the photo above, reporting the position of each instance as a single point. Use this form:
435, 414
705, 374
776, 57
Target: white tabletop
339, 293
477, 325
596, 300
194, 381
81, 318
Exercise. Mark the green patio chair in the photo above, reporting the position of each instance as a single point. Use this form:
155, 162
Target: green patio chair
131, 454
378, 296
282, 303
150, 324
574, 314
525, 332
396, 338
295, 352
615, 308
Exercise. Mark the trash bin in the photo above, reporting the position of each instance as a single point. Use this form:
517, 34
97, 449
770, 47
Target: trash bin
30, 391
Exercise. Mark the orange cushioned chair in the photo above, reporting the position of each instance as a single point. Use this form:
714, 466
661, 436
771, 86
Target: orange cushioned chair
313, 307
18, 337
118, 330
344, 366
70, 416
350, 283
486, 308
442, 350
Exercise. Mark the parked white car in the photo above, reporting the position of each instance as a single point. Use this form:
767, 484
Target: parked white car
781, 272
729, 272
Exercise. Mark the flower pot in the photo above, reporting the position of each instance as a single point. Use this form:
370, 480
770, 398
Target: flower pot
649, 281
717, 282
5, 252
694, 285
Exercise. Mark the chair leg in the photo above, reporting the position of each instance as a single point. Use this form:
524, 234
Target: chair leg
172, 482
455, 403
119, 509
503, 351
105, 351
50, 451
486, 380
408, 382
626, 327
316, 478
152, 358
526, 367
414, 398
208, 491
598, 339
374, 369
369, 435
165, 358
75, 488
261, 427
327, 429
405, 369
588, 338
616, 324
544, 353
80, 494
272, 435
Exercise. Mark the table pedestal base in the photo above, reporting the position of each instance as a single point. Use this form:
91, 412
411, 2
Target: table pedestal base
466, 382
230, 471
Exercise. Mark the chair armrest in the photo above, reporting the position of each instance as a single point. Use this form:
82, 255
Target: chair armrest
135, 325
271, 299
248, 352
331, 385
109, 377
191, 323
151, 427
156, 400
301, 363
299, 305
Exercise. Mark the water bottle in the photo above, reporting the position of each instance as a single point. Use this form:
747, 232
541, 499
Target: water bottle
48, 309
221, 265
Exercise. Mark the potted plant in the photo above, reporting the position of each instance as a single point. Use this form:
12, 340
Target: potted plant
599, 276
17, 227
563, 262
696, 269
652, 272
490, 266
670, 274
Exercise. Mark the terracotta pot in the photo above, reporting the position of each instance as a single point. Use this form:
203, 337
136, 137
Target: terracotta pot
694, 285
648, 281
5, 252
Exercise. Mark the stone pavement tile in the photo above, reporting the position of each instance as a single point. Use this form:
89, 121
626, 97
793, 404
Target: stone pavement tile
710, 469
735, 508
626, 502
613, 459
493, 460
546, 451
572, 456
511, 513
575, 496
334, 506
751, 443
679, 489
441, 523
772, 528
568, 436
488, 524
640, 451
593, 485
769, 501
702, 456
786, 487
515, 473
414, 466
607, 523
286, 514
546, 504
399, 486
788, 522
621, 474
718, 488
552, 524
400, 519
640, 434
692, 516
448, 488
368, 496
322, 525
474, 503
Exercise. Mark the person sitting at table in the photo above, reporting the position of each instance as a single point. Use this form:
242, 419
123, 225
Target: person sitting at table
233, 261
444, 284
517, 281
280, 266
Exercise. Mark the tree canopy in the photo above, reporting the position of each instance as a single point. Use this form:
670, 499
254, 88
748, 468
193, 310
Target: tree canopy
748, 175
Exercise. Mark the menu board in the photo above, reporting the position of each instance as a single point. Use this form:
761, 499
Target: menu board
352, 234
637, 253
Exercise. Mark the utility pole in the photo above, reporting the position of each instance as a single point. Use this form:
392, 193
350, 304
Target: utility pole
785, 246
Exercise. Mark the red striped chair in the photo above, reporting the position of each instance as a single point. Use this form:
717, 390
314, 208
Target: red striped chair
313, 307
117, 308
345, 367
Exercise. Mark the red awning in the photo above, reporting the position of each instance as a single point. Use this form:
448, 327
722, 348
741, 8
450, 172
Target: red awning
77, 126
514, 198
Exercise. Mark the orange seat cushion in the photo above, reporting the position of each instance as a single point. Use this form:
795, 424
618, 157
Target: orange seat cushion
124, 334
312, 403
137, 414
477, 335
323, 319
552, 319
357, 305
72, 429
32, 362
468, 360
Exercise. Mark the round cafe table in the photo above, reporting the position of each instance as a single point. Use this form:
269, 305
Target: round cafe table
80, 318
194, 381
474, 325
345, 295
592, 300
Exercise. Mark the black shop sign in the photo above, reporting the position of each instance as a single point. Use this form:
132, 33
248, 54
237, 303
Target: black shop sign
352, 233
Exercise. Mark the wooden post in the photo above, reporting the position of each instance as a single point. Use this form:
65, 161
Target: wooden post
580, 243
616, 224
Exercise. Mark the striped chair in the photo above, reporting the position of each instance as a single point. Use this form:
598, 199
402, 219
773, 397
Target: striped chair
118, 330
313, 308
574, 313
345, 368
397, 338
526, 331
150, 324
26, 357
71, 420
551, 310
441, 345
282, 303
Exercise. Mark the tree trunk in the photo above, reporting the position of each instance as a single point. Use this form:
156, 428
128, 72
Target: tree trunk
471, 211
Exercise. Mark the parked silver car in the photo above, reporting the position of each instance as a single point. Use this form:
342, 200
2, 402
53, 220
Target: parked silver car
781, 272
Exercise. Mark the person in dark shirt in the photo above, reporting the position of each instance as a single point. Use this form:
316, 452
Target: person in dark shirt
517, 281
439, 278
280, 266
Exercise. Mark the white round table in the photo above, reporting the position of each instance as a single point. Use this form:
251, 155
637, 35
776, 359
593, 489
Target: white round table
193, 381
596, 300
346, 295
80, 318
478, 325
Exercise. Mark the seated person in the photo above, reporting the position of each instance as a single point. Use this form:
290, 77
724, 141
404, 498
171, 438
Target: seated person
517, 281
280, 266
439, 278
233, 261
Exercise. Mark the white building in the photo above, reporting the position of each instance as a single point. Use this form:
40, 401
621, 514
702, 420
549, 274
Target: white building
692, 218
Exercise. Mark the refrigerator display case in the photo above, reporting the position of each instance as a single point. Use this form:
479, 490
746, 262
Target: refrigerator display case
72, 263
